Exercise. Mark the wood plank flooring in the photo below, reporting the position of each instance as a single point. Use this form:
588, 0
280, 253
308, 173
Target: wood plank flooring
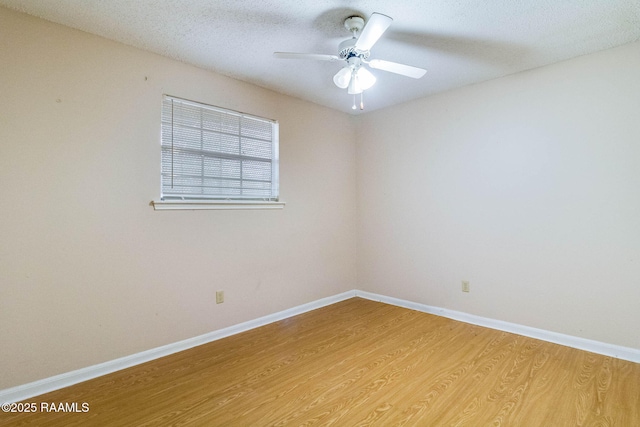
360, 363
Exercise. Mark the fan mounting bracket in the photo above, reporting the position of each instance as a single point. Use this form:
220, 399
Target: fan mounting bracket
354, 24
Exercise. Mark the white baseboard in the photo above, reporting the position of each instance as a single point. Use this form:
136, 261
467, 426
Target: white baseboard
619, 352
36, 388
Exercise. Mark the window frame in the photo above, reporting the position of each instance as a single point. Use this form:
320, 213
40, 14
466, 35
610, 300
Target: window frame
198, 201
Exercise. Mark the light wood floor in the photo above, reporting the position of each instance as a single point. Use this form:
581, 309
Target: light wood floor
358, 363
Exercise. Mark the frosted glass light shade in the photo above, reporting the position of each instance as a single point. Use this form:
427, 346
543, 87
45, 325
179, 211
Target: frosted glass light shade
342, 77
365, 78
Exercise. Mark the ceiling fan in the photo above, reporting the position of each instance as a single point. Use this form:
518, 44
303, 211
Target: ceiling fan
354, 76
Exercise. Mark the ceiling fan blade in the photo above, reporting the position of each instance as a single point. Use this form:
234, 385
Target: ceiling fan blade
315, 56
394, 67
372, 31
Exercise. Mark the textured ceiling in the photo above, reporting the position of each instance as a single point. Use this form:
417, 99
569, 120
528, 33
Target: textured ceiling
459, 42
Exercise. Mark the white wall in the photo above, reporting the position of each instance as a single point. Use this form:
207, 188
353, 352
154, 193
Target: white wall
89, 271
527, 186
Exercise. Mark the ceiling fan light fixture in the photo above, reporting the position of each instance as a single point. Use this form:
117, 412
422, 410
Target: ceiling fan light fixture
365, 78
342, 77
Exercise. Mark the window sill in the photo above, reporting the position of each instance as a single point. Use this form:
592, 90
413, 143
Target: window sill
161, 205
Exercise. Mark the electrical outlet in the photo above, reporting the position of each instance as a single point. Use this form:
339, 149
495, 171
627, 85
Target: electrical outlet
465, 286
219, 297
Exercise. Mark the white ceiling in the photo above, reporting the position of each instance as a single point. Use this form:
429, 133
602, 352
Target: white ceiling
459, 42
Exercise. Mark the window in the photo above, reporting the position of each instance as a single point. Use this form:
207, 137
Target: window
210, 153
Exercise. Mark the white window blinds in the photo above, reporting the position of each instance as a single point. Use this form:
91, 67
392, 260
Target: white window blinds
213, 153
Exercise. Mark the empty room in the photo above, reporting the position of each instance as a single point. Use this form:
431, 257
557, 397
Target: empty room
243, 213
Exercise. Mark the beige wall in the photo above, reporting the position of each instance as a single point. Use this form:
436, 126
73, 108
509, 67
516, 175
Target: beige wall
89, 271
527, 186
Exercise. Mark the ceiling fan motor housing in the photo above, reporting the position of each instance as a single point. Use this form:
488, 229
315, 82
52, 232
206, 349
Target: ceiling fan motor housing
348, 49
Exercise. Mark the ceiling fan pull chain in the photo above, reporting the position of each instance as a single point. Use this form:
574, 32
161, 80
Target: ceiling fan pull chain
361, 100
354, 102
